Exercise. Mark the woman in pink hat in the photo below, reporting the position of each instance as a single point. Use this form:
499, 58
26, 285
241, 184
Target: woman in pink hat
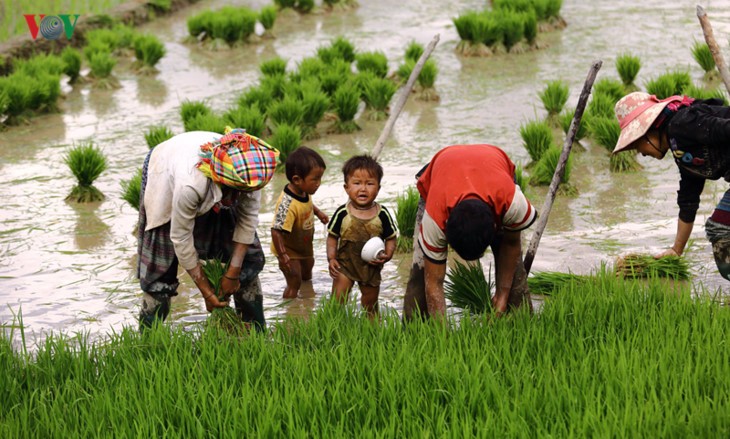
698, 135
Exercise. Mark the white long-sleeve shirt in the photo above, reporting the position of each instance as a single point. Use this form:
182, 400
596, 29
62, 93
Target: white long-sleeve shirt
177, 192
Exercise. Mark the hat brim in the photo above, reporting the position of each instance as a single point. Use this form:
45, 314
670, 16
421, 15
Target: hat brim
638, 127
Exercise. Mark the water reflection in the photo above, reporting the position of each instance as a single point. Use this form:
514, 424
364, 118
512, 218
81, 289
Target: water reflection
89, 231
151, 90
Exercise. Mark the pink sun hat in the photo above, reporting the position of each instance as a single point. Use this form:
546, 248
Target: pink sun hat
636, 112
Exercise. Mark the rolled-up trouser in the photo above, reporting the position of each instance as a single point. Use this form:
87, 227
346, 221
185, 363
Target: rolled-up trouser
719, 236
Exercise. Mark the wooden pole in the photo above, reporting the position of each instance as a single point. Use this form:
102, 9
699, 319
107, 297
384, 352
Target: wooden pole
405, 92
712, 44
560, 169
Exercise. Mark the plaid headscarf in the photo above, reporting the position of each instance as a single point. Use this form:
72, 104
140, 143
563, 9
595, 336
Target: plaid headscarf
238, 160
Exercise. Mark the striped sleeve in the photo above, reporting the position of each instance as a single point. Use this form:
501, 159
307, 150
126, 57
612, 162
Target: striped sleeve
390, 230
335, 225
521, 214
432, 240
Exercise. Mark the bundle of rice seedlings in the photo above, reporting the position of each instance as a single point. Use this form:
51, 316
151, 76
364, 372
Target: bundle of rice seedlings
663, 86
94, 47
703, 93
86, 162
148, 49
566, 118
223, 319
427, 79
344, 48
479, 32
101, 64
512, 28
274, 66
537, 137
304, 6
310, 67
610, 87
315, 102
601, 105
414, 50
605, 131
200, 24
681, 79
624, 162
467, 288
248, 117
4, 98
377, 93
106, 37
258, 96
71, 63
43, 90
530, 27
628, 67
205, 122
702, 54
346, 101
267, 18
375, 62
543, 172
131, 189
289, 111
190, 109
40, 64
286, 138
275, 86
157, 134
16, 91
405, 216
283, 4
636, 266
554, 96
161, 5
547, 282
520, 177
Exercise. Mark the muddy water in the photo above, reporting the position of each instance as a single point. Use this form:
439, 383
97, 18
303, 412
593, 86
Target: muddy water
71, 268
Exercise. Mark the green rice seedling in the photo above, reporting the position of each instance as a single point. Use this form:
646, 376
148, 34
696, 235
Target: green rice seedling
346, 101
552, 8
286, 138
289, 111
267, 18
520, 178
414, 50
719, 94
543, 171
40, 64
259, 96
315, 102
610, 87
125, 36
310, 67
697, 92
530, 28
200, 23
149, 50
479, 32
305, 6
605, 131
95, 47
682, 80
702, 54
17, 89
628, 67
662, 86
624, 162
131, 189
513, 28
190, 109
566, 118
468, 289
639, 266
104, 37
273, 66
86, 162
405, 216
377, 93
71, 63
375, 62
328, 54
157, 134
39, 93
205, 122
554, 96
101, 64
283, 4
275, 85
161, 5
334, 76
404, 70
4, 98
601, 105
537, 137
223, 320
248, 117
344, 48
548, 282
427, 79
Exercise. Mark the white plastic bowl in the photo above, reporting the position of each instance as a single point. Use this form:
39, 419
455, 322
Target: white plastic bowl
371, 249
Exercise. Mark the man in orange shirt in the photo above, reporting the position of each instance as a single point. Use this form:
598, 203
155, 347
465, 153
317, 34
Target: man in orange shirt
469, 201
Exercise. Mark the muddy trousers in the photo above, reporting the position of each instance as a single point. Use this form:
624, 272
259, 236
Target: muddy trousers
414, 301
719, 236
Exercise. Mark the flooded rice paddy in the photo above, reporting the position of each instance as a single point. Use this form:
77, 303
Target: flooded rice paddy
71, 267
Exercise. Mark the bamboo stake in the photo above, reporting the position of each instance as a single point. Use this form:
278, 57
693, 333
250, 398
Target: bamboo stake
405, 92
712, 44
560, 169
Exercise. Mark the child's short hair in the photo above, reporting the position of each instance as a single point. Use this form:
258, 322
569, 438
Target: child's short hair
365, 162
470, 228
302, 161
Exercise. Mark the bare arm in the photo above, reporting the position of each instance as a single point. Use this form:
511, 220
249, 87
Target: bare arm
684, 230
231, 282
277, 238
508, 258
435, 300
334, 266
321, 215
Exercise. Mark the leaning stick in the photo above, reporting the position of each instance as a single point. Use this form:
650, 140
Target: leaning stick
560, 169
405, 92
712, 44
